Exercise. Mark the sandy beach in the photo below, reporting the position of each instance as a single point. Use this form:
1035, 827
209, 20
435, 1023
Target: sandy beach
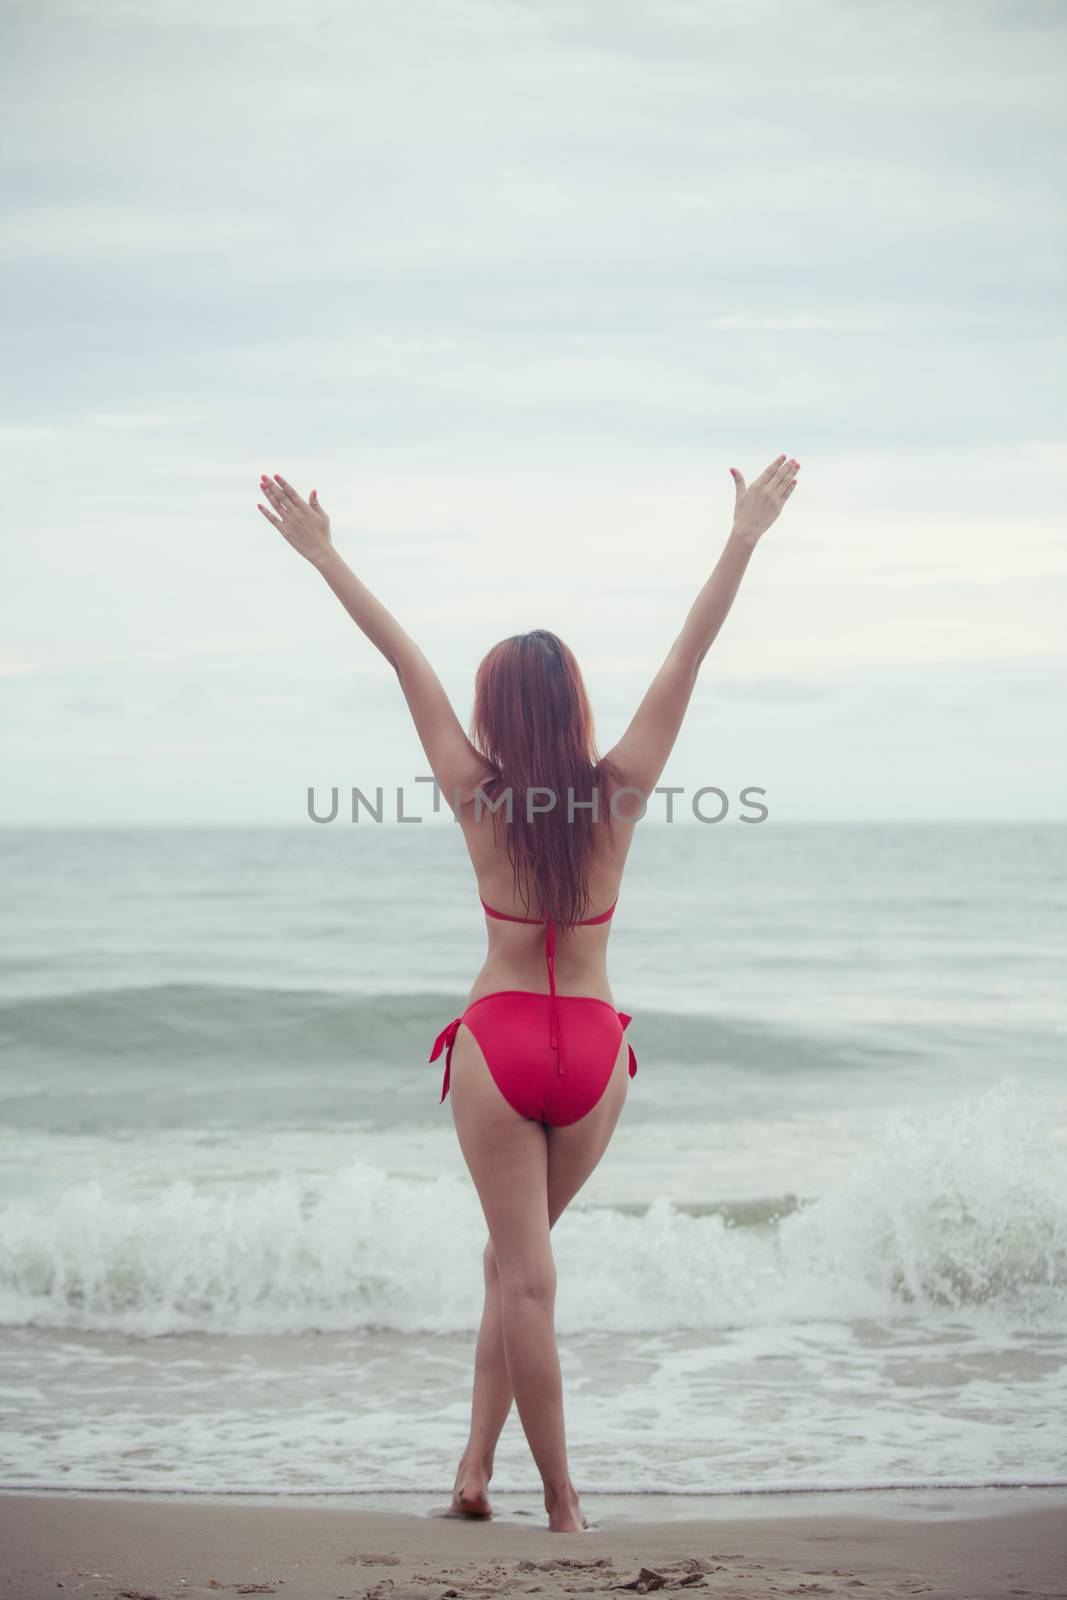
136, 1548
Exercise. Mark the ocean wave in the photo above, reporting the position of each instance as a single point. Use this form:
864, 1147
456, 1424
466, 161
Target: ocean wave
230, 1026
965, 1212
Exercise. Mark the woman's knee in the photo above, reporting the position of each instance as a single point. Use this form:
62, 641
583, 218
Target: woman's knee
529, 1281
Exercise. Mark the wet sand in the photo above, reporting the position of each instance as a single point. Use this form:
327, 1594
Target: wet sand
139, 1547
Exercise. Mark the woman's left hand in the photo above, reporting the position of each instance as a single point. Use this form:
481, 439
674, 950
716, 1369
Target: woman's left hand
305, 524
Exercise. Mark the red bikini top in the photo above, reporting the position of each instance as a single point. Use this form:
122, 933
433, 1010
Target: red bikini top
550, 950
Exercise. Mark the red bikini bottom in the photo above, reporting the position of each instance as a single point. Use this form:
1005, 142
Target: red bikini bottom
514, 1029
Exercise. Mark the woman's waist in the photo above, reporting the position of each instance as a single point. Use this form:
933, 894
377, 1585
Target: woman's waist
585, 982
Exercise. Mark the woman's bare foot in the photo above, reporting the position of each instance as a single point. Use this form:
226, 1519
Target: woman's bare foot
470, 1494
564, 1513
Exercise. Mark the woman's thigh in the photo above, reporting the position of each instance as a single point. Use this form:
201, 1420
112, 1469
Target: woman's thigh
507, 1155
574, 1151
525, 1173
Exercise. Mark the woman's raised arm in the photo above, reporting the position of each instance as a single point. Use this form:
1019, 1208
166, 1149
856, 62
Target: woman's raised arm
641, 754
454, 761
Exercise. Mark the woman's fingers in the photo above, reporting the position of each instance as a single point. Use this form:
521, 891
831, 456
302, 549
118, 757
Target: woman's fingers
768, 472
268, 516
783, 478
273, 493
282, 494
778, 474
290, 493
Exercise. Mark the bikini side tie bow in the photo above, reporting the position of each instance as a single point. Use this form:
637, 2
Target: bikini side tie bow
444, 1041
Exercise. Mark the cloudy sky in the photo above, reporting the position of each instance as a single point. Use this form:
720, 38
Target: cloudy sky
514, 283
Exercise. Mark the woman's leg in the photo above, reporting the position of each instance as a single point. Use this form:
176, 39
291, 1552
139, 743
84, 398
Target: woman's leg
490, 1403
525, 1175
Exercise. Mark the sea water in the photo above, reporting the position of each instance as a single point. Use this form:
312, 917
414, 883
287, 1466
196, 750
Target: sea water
240, 1250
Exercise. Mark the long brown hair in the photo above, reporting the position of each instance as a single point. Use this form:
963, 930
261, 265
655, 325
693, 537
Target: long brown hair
533, 724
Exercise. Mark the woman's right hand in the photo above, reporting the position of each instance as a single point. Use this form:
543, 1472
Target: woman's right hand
756, 507
303, 523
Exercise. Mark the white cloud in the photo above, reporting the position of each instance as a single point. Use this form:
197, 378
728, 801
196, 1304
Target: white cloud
135, 422
169, 653
86, 233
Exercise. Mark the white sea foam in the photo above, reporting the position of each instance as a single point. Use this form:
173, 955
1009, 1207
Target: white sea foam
964, 1211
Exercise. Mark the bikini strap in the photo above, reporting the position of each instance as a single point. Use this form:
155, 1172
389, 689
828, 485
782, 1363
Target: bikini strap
504, 916
586, 922
605, 916
553, 1003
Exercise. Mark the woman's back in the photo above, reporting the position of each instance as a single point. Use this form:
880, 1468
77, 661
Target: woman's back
516, 953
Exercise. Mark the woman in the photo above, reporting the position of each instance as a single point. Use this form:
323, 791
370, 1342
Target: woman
538, 1062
